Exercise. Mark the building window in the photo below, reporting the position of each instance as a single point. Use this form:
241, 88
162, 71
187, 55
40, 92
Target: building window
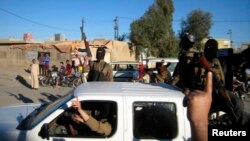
154, 120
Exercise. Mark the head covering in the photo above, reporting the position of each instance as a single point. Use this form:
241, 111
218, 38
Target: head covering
211, 48
187, 41
100, 53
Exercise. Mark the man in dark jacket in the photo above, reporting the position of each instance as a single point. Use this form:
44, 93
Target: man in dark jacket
99, 70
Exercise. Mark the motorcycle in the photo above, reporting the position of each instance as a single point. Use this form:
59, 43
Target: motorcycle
239, 88
66, 81
42, 80
79, 79
50, 79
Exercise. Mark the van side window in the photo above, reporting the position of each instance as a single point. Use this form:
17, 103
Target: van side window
104, 112
154, 120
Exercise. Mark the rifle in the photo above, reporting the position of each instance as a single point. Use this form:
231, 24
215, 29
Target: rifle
220, 87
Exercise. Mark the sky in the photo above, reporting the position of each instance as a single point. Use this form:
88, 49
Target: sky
44, 18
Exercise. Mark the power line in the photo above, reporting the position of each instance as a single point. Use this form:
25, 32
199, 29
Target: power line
127, 18
232, 21
224, 21
34, 22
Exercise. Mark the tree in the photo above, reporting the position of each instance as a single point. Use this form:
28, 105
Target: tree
153, 32
198, 23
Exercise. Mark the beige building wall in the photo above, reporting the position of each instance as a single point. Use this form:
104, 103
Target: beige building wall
22, 58
119, 51
116, 51
122, 51
222, 43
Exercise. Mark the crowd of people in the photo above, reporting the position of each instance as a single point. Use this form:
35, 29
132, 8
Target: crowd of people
193, 74
97, 70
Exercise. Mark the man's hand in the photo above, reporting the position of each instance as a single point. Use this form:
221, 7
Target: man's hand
77, 105
198, 106
199, 102
77, 118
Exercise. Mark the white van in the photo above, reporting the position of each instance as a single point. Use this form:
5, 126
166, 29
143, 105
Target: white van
136, 111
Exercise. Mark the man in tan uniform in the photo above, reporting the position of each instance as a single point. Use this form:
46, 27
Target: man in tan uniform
34, 71
99, 70
102, 127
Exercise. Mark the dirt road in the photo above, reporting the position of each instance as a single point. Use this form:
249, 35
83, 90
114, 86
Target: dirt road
14, 88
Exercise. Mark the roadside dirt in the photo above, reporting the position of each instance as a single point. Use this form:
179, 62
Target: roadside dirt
15, 88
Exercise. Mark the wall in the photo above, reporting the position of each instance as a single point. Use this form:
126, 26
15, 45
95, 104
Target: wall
121, 52
22, 58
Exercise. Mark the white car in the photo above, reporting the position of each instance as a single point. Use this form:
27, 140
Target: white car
125, 71
136, 111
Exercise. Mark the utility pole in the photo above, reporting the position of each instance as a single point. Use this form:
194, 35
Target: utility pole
230, 35
82, 30
116, 27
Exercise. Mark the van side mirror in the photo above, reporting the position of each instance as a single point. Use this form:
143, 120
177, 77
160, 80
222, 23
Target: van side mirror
44, 132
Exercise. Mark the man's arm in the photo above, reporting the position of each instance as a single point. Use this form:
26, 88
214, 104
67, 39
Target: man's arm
103, 128
110, 73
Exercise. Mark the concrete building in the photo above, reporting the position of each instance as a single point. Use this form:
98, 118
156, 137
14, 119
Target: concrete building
59, 37
224, 43
20, 53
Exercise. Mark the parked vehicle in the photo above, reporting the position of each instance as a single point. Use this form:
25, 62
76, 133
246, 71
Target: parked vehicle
66, 81
78, 79
51, 78
43, 80
136, 111
125, 71
170, 62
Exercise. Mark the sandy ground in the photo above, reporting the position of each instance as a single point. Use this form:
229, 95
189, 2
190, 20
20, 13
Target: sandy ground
14, 88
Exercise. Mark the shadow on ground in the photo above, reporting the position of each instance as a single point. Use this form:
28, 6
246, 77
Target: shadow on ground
22, 98
23, 81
